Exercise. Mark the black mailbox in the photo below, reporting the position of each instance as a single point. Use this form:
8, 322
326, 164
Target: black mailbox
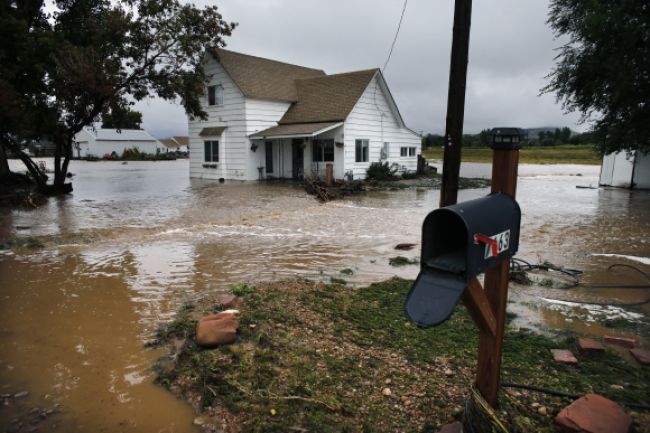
458, 243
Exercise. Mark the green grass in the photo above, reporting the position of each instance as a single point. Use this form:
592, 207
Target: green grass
565, 154
319, 356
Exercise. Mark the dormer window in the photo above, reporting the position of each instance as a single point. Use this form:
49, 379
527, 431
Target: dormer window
215, 95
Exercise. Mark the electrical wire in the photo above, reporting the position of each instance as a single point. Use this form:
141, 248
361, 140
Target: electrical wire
399, 25
520, 265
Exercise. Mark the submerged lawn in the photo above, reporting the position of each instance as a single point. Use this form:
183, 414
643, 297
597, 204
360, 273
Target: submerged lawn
321, 358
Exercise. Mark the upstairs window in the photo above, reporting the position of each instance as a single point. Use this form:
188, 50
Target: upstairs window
361, 150
215, 95
211, 148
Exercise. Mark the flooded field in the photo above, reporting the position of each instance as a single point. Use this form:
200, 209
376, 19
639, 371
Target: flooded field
134, 241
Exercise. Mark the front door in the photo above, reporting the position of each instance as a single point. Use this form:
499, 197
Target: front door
297, 158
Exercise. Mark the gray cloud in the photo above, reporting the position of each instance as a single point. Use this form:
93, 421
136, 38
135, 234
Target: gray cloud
511, 51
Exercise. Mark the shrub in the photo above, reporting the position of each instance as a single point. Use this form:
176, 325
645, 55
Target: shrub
381, 171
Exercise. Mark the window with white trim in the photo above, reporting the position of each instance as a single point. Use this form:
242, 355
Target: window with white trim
405, 152
361, 150
323, 150
215, 95
211, 150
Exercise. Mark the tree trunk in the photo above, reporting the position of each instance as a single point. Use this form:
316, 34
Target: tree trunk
63, 148
39, 177
4, 164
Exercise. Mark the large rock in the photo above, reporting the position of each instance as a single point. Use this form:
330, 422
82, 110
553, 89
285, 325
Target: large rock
594, 413
220, 328
564, 356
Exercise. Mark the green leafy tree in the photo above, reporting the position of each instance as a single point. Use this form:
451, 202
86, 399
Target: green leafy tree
93, 54
122, 118
602, 71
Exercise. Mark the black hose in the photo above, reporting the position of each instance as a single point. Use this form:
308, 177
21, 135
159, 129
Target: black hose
567, 394
622, 265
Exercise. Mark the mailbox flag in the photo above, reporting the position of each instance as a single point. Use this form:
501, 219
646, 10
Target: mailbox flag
433, 297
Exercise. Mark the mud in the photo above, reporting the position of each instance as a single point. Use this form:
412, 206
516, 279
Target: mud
134, 241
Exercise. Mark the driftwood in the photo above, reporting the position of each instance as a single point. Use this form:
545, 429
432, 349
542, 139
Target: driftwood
337, 190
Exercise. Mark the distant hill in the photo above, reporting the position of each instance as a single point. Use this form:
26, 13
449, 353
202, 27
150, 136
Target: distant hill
534, 132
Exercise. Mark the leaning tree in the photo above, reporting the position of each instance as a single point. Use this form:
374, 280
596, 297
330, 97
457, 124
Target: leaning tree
92, 56
603, 70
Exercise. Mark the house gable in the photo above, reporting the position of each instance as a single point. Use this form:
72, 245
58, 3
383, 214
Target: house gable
327, 99
260, 78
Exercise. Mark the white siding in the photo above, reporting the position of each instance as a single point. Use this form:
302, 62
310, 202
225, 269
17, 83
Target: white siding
261, 115
617, 170
642, 171
372, 119
233, 143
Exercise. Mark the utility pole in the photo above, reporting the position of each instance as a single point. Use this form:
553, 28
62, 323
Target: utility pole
456, 102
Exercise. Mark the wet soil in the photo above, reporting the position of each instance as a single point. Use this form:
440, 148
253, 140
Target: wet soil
86, 278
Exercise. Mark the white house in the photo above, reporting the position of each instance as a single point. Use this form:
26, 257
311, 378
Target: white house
269, 119
177, 143
99, 142
626, 170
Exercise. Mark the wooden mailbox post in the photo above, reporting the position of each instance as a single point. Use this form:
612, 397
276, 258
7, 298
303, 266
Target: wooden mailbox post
487, 306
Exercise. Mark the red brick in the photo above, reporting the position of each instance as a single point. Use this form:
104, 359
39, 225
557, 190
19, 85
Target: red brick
620, 341
227, 301
454, 427
564, 356
641, 355
220, 328
594, 414
587, 346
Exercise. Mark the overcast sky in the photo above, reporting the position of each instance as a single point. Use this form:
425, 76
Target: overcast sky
511, 51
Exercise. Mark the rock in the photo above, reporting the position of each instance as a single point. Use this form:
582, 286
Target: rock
588, 346
615, 386
454, 427
199, 420
535, 405
404, 247
386, 392
542, 410
387, 381
594, 413
620, 341
449, 372
641, 355
220, 328
21, 394
227, 301
564, 356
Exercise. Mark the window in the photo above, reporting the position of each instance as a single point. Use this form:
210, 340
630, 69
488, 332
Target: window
361, 150
323, 150
407, 151
211, 148
268, 149
215, 95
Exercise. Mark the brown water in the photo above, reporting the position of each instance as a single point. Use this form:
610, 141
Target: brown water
135, 241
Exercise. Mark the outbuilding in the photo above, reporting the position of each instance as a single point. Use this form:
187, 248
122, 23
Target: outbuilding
626, 170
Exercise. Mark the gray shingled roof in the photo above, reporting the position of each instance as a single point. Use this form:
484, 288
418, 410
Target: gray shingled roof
297, 129
329, 98
263, 78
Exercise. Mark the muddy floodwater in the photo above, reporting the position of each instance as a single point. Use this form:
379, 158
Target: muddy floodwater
135, 241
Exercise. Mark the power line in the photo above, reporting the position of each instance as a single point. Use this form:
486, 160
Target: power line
399, 25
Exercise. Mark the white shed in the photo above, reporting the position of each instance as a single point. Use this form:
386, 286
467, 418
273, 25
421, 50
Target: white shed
626, 170
99, 142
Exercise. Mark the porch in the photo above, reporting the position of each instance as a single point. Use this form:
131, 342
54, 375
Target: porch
297, 151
